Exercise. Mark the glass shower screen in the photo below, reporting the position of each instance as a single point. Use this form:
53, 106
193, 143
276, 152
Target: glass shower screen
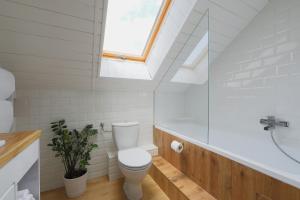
181, 98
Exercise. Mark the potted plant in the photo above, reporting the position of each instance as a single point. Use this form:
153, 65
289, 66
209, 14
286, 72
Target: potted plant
74, 148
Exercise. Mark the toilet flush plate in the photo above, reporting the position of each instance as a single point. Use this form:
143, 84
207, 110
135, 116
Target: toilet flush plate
2, 143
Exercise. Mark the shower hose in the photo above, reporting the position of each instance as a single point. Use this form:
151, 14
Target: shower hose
283, 151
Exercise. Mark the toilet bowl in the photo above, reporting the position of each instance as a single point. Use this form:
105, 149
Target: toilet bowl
134, 162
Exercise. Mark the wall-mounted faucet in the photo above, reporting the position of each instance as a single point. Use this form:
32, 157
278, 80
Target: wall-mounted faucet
102, 126
271, 123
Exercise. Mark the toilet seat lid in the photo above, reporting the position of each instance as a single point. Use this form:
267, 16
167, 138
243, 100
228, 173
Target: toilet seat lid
134, 157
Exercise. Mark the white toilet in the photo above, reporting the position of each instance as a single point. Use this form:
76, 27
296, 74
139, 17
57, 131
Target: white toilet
134, 162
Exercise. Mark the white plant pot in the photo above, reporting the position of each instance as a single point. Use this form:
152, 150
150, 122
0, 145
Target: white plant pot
76, 186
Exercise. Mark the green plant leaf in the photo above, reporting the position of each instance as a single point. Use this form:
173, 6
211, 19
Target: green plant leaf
73, 147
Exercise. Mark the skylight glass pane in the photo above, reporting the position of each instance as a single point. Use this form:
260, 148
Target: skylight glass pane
129, 24
197, 54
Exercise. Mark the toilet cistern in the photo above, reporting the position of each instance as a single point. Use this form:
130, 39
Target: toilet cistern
134, 162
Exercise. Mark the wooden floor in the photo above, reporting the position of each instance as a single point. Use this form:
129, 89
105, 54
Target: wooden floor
102, 189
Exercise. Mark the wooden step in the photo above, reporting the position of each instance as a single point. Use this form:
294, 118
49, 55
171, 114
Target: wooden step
174, 183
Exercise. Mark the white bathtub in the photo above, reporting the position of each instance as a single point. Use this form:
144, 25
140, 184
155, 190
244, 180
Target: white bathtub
188, 129
258, 153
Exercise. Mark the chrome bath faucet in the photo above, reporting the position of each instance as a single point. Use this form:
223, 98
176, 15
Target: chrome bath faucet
272, 122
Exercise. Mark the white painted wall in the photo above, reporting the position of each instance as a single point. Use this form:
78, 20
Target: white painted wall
259, 75
35, 109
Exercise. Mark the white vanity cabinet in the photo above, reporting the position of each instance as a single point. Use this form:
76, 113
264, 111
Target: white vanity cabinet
19, 165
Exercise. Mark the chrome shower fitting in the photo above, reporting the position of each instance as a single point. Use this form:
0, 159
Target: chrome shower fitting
102, 126
271, 123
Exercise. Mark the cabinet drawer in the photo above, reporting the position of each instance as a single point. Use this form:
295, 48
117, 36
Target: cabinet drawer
10, 194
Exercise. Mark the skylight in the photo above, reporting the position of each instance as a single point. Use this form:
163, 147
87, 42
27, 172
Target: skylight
194, 70
131, 26
198, 53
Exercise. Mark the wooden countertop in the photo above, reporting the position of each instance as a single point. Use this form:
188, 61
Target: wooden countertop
16, 143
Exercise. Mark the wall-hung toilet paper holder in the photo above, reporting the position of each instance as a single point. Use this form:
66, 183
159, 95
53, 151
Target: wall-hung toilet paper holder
2, 143
177, 146
182, 146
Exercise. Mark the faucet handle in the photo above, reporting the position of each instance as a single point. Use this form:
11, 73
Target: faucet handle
283, 123
268, 121
271, 123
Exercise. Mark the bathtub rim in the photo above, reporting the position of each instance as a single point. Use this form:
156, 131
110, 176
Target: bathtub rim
285, 177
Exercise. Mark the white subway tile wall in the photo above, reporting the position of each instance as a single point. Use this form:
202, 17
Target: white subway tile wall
256, 76
35, 109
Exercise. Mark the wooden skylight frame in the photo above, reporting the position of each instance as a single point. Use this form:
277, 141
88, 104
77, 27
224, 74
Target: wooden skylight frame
156, 27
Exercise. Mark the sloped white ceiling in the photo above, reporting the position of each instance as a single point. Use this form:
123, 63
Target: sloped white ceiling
227, 19
51, 43
55, 43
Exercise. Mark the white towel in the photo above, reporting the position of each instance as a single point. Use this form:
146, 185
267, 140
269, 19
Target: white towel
28, 197
6, 116
7, 84
24, 195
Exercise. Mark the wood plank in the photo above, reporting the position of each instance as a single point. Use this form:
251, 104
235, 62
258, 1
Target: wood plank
26, 13
67, 7
16, 143
269, 188
27, 59
226, 17
51, 70
101, 188
219, 176
175, 183
201, 173
238, 7
243, 182
39, 81
257, 4
43, 30
29, 44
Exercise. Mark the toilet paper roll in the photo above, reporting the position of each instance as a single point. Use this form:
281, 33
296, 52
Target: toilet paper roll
7, 84
177, 146
6, 116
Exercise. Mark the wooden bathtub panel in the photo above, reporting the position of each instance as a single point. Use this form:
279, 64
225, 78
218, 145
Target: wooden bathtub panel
250, 184
243, 182
201, 169
221, 177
